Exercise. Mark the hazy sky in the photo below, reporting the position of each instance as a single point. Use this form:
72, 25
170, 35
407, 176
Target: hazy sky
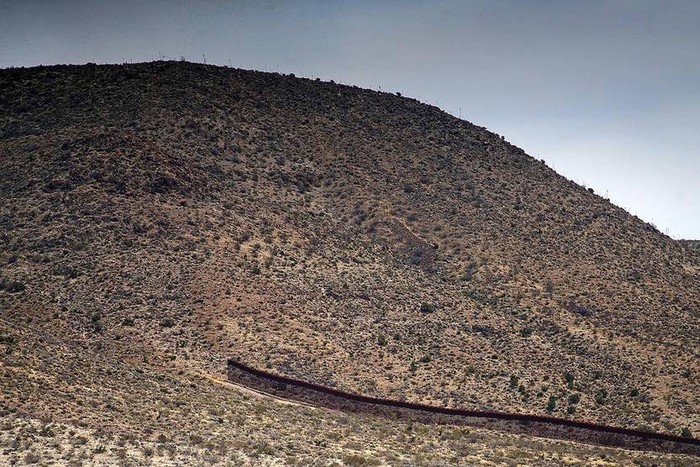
607, 92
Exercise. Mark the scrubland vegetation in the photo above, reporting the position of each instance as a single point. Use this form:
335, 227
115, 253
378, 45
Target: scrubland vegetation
156, 219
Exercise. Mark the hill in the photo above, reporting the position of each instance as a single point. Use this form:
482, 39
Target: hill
160, 218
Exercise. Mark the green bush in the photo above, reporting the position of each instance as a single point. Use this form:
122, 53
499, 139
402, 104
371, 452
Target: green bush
601, 396
7, 339
97, 327
96, 323
513, 381
11, 286
569, 378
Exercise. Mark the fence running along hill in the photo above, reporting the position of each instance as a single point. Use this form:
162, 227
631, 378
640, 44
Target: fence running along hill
538, 425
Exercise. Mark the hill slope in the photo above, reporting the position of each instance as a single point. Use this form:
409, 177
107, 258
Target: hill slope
167, 216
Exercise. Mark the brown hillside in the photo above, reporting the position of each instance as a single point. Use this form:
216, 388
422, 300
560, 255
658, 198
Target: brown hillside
694, 244
159, 218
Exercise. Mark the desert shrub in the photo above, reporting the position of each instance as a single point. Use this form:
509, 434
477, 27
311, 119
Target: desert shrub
96, 324
569, 378
523, 391
15, 287
128, 321
579, 309
416, 255
68, 272
513, 381
549, 287
97, 327
167, 323
601, 396
31, 458
574, 399
12, 286
7, 339
357, 460
634, 392
483, 329
427, 308
264, 448
469, 271
551, 403
381, 340
685, 432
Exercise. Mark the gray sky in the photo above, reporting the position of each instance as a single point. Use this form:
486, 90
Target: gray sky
607, 92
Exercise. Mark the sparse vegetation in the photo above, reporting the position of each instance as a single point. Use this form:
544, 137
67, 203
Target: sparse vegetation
11, 286
96, 323
601, 396
160, 218
514, 381
31, 458
569, 378
357, 460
